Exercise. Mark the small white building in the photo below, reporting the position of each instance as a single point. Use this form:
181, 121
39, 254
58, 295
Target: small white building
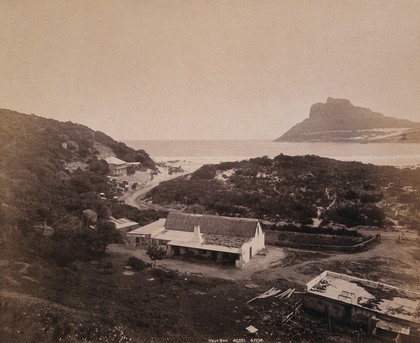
116, 166
222, 239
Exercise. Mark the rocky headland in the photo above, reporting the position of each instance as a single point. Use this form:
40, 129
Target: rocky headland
338, 120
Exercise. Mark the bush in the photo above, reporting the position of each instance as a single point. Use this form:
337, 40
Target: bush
137, 264
206, 172
163, 275
353, 215
371, 198
351, 195
156, 253
99, 166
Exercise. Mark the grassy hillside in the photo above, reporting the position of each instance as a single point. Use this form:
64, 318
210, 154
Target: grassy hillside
50, 172
31, 136
299, 190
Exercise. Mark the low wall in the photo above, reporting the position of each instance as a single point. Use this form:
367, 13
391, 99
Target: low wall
318, 242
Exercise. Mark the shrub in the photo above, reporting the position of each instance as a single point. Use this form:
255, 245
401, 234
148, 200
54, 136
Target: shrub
163, 275
351, 195
136, 264
156, 252
206, 172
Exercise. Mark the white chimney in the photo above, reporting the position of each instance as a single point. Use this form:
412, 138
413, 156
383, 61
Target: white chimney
196, 238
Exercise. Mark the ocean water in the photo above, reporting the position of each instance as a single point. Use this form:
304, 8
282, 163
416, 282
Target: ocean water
202, 152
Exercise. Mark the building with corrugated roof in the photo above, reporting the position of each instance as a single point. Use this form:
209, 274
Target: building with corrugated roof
222, 239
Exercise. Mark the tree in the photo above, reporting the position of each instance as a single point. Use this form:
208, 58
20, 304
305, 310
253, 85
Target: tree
155, 253
99, 166
131, 170
81, 182
105, 234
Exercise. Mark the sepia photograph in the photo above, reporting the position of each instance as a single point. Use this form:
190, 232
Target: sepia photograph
210, 171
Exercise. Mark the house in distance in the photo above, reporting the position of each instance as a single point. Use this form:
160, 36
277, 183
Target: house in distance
116, 166
119, 167
227, 240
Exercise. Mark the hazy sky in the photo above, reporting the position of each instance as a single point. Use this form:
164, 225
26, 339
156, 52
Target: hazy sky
206, 69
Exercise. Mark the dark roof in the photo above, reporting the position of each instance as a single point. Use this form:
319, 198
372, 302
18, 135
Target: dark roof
226, 241
213, 225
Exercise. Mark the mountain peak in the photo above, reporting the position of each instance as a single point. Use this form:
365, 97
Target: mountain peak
331, 107
338, 101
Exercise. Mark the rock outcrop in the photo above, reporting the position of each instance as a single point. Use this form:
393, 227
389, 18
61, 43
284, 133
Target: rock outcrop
339, 120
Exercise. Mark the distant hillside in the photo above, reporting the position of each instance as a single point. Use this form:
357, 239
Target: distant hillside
51, 171
338, 120
307, 190
31, 135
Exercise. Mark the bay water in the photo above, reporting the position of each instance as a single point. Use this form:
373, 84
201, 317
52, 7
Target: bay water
199, 152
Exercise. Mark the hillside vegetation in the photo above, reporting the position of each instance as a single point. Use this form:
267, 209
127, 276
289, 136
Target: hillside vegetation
50, 173
300, 190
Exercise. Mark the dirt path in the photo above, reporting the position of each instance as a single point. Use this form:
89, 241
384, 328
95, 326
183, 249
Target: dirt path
133, 197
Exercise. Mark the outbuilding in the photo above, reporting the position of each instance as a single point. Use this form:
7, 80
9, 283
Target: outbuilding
124, 225
390, 312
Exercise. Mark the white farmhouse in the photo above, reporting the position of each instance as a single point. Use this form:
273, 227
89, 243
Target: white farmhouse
222, 239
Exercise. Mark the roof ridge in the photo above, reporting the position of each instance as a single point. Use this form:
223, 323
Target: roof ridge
230, 226
212, 216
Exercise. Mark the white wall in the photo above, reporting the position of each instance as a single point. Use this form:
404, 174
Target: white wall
257, 243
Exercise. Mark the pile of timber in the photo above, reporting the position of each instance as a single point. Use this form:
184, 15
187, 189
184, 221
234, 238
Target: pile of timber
286, 294
274, 292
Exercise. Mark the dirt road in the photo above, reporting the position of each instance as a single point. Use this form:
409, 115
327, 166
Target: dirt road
133, 197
